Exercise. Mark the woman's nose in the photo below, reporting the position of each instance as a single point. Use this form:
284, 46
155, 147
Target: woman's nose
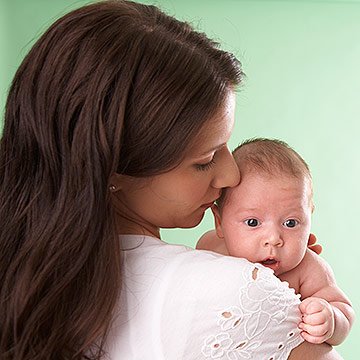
228, 174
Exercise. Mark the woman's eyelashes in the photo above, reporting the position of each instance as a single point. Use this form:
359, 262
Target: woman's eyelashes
206, 166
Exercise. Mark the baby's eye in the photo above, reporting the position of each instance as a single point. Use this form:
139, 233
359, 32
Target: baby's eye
252, 222
291, 223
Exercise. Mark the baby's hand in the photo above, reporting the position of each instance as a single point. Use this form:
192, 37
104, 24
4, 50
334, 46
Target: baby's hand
318, 323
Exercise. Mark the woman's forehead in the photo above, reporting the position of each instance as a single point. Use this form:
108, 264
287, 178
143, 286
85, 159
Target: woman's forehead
217, 130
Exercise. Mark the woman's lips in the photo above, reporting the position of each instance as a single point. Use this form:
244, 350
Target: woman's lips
208, 205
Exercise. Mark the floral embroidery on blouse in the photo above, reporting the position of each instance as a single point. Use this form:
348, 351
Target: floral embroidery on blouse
216, 346
264, 304
230, 318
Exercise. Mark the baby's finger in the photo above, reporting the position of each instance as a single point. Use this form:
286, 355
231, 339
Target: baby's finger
315, 319
314, 330
311, 306
313, 339
312, 239
304, 304
317, 248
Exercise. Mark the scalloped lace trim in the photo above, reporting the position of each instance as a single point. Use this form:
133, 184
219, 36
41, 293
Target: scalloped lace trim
267, 309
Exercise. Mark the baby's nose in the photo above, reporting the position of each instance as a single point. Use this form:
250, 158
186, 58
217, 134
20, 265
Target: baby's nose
273, 240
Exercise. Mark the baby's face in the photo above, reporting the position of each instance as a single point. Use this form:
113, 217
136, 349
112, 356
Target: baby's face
266, 219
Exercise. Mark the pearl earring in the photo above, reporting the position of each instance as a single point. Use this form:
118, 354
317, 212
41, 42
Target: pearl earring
112, 187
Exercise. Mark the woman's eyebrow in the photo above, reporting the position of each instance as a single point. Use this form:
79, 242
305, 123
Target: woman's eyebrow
213, 149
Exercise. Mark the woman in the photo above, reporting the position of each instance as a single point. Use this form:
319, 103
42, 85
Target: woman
117, 122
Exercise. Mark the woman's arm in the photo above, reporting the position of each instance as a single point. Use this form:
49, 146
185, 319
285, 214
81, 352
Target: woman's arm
314, 352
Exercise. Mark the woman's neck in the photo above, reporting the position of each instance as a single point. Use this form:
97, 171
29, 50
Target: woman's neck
127, 226
128, 222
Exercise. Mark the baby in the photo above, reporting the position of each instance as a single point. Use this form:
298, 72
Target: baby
266, 219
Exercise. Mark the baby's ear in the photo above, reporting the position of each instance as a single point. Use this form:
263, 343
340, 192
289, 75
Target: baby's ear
217, 218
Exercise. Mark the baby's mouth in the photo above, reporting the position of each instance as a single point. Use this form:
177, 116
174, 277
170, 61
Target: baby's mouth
271, 263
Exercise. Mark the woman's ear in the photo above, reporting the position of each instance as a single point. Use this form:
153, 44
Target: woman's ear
116, 182
217, 218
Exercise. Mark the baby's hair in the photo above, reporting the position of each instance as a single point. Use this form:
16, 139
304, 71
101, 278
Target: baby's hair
270, 157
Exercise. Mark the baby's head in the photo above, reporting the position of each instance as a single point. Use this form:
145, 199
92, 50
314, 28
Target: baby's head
267, 217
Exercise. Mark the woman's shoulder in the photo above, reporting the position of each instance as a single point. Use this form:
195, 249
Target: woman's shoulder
240, 309
198, 304
209, 269
202, 264
229, 280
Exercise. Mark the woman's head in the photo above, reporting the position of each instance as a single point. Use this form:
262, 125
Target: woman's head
180, 196
179, 80
114, 87
129, 80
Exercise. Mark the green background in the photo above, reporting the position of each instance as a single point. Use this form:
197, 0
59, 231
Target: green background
302, 60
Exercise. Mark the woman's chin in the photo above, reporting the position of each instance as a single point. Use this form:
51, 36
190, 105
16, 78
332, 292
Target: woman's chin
186, 223
193, 221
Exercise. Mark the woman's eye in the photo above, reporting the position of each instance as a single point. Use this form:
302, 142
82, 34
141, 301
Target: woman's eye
291, 223
207, 166
252, 222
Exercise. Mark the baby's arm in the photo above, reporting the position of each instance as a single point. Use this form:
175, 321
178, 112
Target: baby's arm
327, 312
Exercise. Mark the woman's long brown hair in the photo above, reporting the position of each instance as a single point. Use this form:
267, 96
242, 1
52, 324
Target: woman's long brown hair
115, 86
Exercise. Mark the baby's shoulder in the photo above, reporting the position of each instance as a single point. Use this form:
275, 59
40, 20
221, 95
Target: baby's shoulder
314, 262
313, 266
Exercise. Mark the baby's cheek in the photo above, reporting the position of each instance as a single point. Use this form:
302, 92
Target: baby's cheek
244, 251
231, 236
297, 252
238, 242
234, 248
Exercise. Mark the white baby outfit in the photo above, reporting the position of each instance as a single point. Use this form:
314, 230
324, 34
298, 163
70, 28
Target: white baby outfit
179, 303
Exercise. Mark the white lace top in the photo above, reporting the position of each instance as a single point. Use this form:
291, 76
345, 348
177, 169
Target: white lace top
179, 303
